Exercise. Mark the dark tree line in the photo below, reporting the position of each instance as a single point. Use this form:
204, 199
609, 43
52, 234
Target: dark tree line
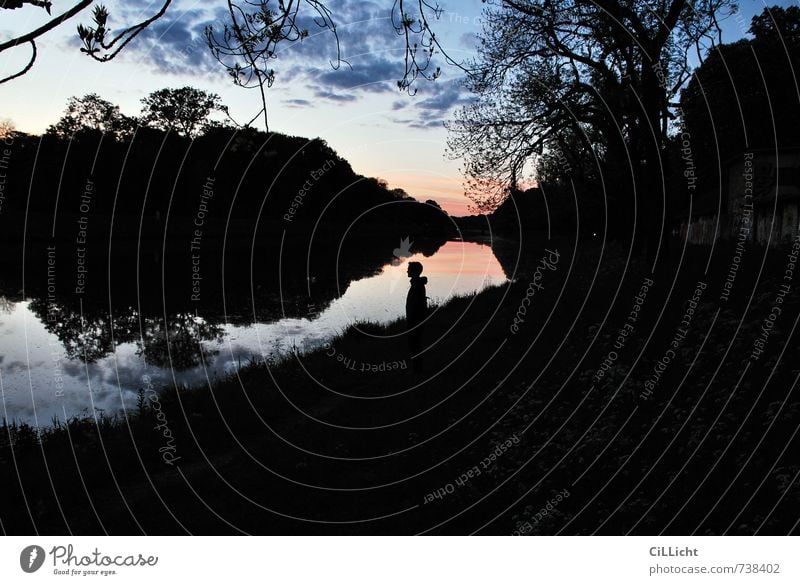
136, 204
588, 83
187, 111
745, 95
157, 164
581, 96
599, 123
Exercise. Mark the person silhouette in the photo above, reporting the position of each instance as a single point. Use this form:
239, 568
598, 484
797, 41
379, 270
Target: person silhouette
416, 311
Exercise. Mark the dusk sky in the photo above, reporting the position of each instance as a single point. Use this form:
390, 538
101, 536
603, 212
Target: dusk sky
359, 111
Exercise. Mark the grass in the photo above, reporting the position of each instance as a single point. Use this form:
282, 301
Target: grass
308, 444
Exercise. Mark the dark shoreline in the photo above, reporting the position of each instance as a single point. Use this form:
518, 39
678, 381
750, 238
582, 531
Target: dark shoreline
253, 449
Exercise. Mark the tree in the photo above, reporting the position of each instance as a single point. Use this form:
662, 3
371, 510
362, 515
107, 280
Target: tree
12, 4
92, 113
97, 41
185, 110
248, 44
400, 193
777, 24
7, 128
744, 94
603, 70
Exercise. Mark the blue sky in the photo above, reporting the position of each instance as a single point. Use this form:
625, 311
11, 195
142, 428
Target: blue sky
359, 111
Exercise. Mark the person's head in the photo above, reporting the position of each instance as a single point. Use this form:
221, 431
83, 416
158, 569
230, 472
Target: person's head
414, 269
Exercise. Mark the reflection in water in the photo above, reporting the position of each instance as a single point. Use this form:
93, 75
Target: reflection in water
83, 337
179, 346
56, 362
90, 337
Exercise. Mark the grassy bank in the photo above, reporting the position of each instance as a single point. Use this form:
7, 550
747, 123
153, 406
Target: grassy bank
515, 409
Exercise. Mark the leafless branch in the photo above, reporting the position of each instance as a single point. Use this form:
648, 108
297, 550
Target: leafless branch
249, 42
26, 68
31, 36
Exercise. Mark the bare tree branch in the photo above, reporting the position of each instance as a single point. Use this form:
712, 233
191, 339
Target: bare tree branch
604, 71
27, 67
94, 38
48, 26
248, 44
421, 42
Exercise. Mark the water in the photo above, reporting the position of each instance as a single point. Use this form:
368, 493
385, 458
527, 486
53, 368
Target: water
40, 379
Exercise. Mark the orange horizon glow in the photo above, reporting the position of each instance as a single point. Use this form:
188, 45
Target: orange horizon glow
469, 263
462, 258
447, 191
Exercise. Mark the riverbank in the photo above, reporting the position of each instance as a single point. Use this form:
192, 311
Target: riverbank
531, 391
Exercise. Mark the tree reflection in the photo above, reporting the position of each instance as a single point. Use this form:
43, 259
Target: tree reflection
93, 335
179, 344
6, 305
89, 331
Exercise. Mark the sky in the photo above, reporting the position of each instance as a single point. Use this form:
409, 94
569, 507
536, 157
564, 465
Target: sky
357, 109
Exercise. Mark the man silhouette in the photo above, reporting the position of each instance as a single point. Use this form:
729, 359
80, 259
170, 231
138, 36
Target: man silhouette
416, 311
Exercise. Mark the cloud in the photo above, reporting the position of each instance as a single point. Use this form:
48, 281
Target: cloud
20, 366
370, 51
297, 103
434, 103
469, 41
334, 97
371, 75
176, 43
372, 60
444, 96
364, 30
420, 123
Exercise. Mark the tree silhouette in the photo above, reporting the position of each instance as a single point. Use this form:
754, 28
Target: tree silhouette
92, 113
7, 128
606, 70
185, 110
100, 44
413, 22
739, 97
247, 45
433, 203
776, 24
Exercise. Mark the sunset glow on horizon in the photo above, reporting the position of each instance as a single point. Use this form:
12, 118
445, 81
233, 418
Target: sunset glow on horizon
357, 108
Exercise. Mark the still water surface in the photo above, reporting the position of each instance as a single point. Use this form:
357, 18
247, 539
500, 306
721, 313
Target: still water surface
40, 381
